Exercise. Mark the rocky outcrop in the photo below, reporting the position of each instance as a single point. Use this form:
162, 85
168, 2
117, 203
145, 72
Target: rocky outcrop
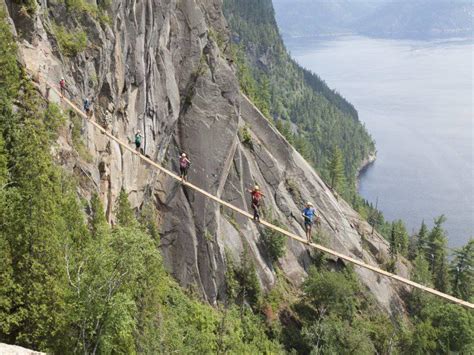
160, 68
6, 349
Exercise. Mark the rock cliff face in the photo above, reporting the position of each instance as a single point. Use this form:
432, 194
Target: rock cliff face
17, 350
162, 67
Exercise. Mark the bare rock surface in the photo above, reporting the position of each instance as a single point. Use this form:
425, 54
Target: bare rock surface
159, 68
6, 349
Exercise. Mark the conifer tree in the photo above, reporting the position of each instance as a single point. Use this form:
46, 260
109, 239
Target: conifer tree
336, 170
422, 240
124, 212
437, 255
462, 271
412, 247
402, 237
97, 220
421, 271
303, 147
148, 221
393, 242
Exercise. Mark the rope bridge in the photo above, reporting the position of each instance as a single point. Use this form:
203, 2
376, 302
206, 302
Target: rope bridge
262, 222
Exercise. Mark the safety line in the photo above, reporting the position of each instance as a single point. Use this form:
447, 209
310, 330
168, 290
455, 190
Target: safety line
262, 222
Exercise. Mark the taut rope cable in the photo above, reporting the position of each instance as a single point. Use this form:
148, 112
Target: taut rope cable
269, 225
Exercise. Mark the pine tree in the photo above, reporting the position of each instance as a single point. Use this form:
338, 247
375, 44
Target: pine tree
422, 240
97, 221
246, 274
412, 247
437, 255
421, 271
393, 242
149, 221
462, 271
303, 147
336, 170
402, 237
124, 212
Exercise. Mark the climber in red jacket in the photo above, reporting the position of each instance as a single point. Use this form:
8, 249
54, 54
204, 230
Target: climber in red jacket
257, 196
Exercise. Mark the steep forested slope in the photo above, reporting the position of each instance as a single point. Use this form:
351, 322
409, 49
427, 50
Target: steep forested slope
313, 117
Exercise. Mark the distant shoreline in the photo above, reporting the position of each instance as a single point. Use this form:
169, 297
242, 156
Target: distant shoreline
386, 36
364, 166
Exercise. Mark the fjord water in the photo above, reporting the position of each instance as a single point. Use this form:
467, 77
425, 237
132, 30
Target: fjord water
416, 100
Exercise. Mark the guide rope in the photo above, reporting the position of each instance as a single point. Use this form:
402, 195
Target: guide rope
262, 222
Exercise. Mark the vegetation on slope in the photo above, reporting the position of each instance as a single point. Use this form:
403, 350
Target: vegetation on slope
314, 118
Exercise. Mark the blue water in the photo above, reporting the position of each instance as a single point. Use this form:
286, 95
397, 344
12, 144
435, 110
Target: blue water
416, 100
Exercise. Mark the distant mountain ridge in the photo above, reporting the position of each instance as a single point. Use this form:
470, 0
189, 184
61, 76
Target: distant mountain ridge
385, 18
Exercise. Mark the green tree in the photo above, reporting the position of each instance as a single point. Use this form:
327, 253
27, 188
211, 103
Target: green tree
394, 247
422, 240
331, 292
437, 254
149, 221
332, 335
242, 281
124, 212
399, 238
274, 242
114, 284
420, 273
336, 170
97, 220
423, 339
462, 271
453, 325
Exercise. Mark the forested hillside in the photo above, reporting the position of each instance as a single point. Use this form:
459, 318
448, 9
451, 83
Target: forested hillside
313, 117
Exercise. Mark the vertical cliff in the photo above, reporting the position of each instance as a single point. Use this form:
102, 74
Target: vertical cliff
164, 67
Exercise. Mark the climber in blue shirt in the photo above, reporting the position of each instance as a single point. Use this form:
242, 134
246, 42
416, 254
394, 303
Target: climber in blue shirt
309, 213
87, 106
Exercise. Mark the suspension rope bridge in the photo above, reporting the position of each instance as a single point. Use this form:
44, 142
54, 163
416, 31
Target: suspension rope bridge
262, 222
